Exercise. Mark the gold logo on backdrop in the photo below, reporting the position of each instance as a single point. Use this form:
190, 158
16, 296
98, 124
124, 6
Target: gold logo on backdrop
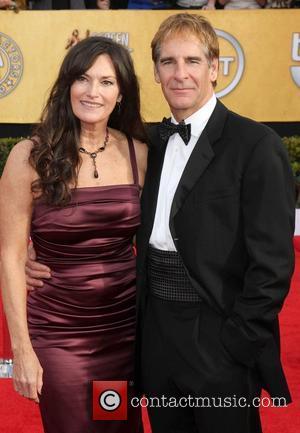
11, 65
75, 38
120, 37
232, 63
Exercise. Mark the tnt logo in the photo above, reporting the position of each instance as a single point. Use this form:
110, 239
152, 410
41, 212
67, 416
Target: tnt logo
295, 70
109, 400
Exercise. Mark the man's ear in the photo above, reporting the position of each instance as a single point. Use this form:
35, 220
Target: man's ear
156, 75
214, 68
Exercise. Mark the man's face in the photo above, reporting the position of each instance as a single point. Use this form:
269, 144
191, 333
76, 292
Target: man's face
184, 74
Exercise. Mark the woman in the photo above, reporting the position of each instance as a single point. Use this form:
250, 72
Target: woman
75, 189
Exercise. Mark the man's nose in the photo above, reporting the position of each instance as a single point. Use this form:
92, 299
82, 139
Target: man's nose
181, 71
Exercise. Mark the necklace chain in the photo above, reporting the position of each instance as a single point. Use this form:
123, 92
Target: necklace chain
93, 155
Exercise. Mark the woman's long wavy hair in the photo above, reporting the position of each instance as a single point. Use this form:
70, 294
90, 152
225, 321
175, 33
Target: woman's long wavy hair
54, 155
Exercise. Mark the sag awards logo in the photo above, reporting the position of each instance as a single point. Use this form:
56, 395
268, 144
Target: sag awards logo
120, 37
295, 70
11, 65
231, 66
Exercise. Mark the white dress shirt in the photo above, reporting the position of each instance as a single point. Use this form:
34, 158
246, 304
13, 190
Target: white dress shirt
176, 157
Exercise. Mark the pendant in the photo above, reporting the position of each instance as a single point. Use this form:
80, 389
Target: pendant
93, 155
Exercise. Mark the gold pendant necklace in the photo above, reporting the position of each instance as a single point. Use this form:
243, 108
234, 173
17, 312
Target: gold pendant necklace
93, 155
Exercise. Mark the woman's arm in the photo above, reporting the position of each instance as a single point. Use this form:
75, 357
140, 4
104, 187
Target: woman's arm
15, 218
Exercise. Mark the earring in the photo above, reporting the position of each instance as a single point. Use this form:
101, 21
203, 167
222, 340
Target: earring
118, 105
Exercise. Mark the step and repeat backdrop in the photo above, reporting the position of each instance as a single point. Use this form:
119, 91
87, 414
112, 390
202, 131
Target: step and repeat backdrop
259, 65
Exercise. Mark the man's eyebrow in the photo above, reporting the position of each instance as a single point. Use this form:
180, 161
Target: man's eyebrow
194, 58
163, 59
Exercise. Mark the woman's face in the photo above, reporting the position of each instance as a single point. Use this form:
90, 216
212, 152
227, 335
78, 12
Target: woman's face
95, 93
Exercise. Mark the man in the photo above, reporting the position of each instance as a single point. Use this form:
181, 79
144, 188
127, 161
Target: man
215, 253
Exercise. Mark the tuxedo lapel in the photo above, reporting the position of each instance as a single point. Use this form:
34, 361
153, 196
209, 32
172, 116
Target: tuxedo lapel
196, 165
155, 163
199, 160
156, 156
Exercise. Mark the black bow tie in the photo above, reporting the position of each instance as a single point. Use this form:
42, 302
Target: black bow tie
167, 128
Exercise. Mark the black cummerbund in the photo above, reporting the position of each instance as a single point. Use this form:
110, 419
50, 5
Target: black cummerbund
167, 277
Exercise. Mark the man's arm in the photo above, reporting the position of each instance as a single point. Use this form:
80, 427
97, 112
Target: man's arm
268, 208
34, 270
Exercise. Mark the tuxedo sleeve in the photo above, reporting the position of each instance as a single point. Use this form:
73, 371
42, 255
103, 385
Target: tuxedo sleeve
268, 212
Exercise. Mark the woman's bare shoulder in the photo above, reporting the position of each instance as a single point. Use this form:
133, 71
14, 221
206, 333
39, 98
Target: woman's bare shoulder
116, 135
22, 149
18, 160
141, 151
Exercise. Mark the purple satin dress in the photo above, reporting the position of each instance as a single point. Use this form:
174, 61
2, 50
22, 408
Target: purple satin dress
82, 321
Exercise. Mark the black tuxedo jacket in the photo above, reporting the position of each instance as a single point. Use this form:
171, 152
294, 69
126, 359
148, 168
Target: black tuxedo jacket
232, 221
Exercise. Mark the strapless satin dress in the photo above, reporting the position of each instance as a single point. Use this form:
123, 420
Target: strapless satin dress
82, 321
